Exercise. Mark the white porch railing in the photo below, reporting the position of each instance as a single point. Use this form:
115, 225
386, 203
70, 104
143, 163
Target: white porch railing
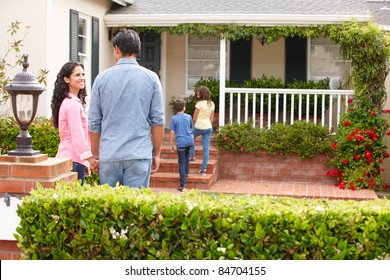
267, 106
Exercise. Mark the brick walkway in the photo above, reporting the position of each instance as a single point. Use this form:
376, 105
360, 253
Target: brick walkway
291, 189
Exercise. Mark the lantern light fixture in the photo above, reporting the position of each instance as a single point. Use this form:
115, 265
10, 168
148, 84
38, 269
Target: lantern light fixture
24, 90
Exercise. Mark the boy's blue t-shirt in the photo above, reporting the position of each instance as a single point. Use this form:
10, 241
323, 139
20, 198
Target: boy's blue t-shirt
182, 125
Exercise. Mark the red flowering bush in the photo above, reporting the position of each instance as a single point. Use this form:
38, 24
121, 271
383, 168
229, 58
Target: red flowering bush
359, 148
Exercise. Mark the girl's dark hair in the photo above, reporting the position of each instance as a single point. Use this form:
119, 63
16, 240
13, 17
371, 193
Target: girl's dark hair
204, 94
127, 41
61, 90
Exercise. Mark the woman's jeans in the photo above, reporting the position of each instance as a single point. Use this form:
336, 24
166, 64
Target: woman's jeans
184, 162
206, 136
80, 169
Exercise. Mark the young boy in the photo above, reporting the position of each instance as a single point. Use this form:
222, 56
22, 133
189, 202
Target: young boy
181, 127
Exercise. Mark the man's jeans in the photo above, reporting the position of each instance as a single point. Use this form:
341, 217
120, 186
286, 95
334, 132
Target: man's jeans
133, 173
184, 162
206, 136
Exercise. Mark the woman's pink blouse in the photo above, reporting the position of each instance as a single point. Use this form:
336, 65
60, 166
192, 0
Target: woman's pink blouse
73, 130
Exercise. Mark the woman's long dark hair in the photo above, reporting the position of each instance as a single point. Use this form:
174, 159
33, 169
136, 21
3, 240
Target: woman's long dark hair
61, 90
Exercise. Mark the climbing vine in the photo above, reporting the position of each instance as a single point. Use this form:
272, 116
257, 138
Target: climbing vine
368, 48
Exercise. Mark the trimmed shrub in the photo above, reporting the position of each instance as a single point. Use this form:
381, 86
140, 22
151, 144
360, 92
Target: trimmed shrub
304, 139
45, 137
101, 222
9, 130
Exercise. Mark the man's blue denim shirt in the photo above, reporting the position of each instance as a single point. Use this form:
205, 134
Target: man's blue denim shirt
126, 101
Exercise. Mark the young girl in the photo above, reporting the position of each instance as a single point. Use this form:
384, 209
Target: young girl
70, 117
203, 118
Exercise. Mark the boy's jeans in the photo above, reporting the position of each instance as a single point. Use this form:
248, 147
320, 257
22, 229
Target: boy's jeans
206, 136
134, 173
184, 162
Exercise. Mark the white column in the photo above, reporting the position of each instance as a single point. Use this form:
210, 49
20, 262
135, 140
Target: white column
222, 79
51, 76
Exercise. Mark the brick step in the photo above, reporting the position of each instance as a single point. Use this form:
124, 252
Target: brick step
167, 154
198, 143
172, 166
172, 180
198, 140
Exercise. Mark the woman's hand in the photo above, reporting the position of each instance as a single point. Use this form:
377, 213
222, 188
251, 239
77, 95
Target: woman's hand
93, 163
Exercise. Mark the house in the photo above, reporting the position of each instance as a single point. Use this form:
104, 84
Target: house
82, 29
74, 29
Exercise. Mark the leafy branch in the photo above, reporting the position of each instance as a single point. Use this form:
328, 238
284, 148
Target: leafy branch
14, 48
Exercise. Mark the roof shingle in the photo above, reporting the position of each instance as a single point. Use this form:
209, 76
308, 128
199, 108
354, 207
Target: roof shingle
261, 7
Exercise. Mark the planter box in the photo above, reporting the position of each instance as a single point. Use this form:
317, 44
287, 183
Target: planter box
265, 167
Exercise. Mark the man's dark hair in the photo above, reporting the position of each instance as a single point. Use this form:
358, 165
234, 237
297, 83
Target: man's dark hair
128, 41
179, 105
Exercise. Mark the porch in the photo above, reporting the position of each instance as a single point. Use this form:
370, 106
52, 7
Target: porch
279, 105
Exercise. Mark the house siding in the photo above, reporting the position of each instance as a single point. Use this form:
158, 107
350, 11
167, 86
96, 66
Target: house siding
47, 42
33, 14
175, 71
268, 59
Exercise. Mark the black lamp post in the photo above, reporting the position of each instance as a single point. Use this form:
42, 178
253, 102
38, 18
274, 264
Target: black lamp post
25, 91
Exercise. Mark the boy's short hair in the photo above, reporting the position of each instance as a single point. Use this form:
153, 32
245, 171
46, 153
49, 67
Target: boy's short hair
179, 105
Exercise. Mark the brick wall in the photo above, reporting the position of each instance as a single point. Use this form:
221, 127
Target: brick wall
19, 175
265, 167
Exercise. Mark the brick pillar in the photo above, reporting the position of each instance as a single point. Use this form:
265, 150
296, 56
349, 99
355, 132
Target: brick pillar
19, 175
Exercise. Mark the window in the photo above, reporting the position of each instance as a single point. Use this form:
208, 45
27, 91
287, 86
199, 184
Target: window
326, 62
83, 37
202, 60
84, 43
84, 47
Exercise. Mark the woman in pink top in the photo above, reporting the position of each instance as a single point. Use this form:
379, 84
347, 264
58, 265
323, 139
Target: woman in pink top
70, 117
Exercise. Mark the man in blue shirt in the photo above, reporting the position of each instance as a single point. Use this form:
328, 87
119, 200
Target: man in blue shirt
126, 117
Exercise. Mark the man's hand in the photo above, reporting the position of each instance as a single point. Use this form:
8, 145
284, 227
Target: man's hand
155, 164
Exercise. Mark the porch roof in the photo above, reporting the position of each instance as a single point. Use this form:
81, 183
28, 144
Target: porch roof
380, 10
250, 12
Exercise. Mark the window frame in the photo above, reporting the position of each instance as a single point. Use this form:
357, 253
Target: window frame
337, 77
90, 57
85, 58
217, 60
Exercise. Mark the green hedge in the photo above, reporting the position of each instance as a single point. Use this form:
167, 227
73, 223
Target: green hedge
100, 222
301, 138
45, 137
